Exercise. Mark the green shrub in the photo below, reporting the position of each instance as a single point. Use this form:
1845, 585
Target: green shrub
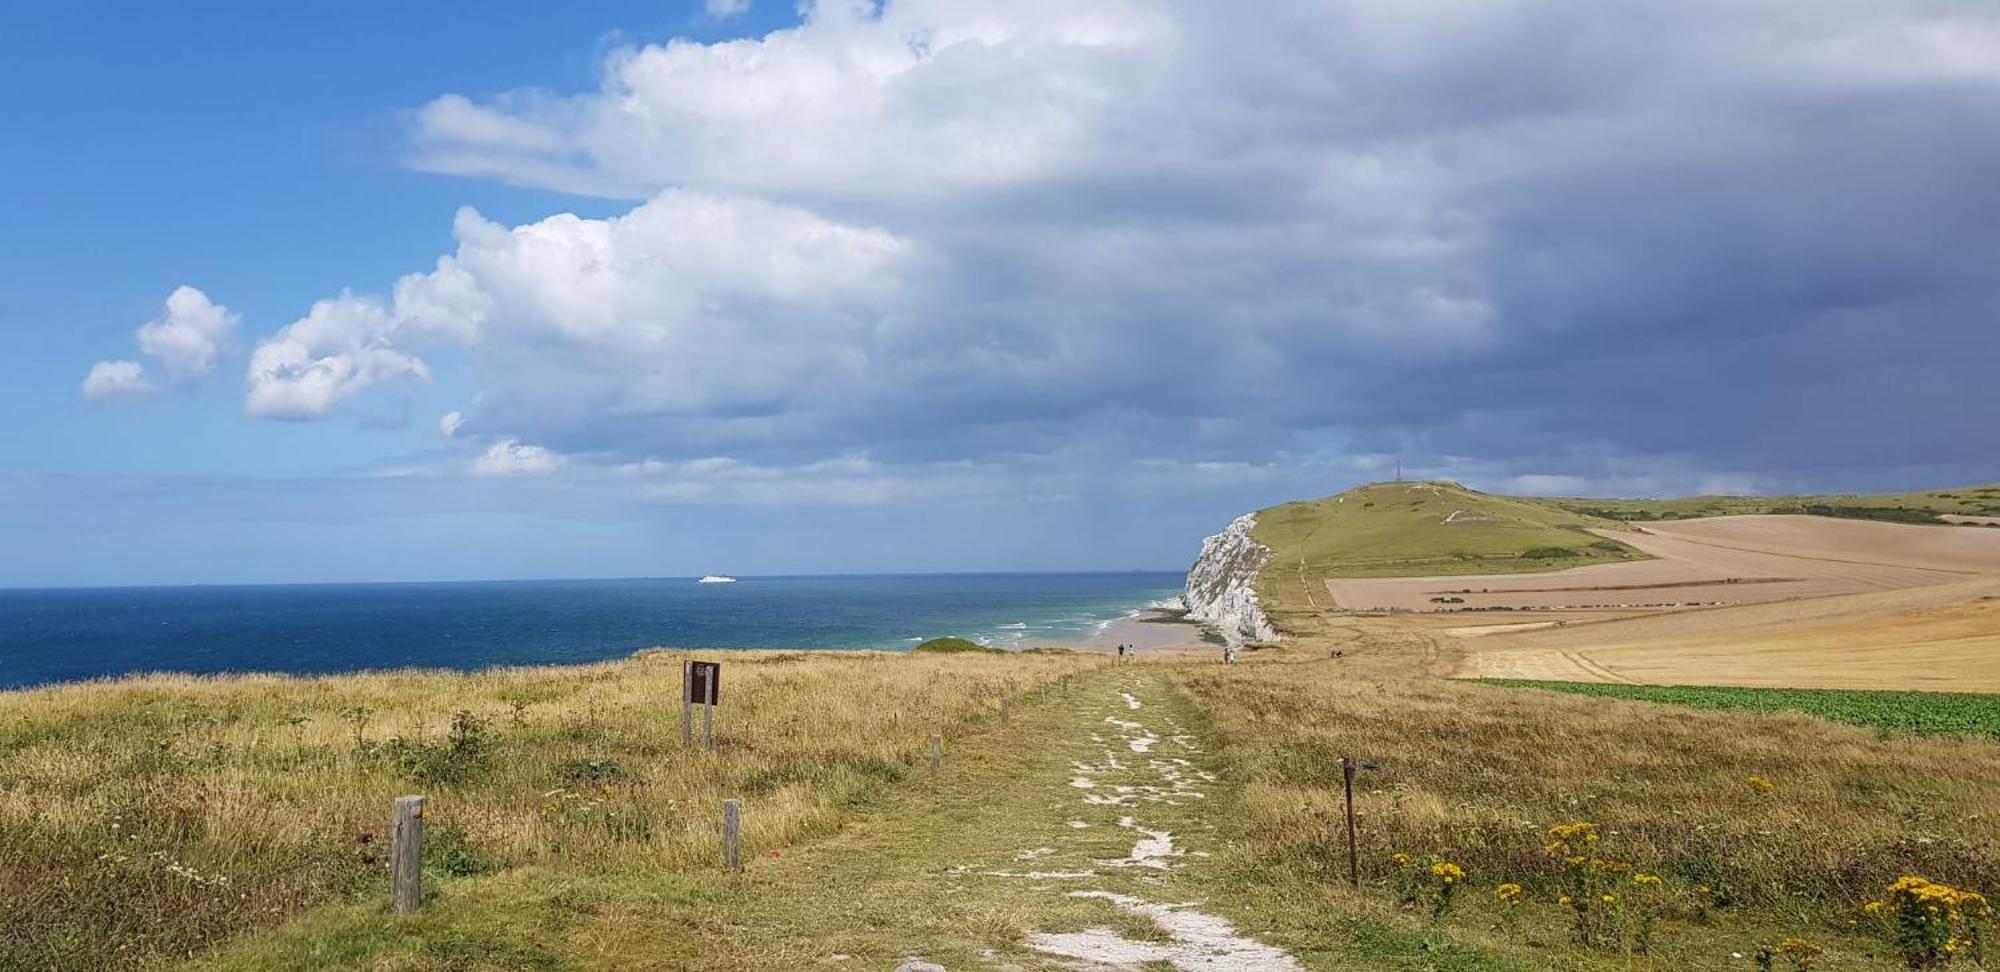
952, 646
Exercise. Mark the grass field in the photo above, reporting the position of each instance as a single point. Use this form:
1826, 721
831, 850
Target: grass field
1915, 507
1923, 712
236, 822
1391, 529
143, 821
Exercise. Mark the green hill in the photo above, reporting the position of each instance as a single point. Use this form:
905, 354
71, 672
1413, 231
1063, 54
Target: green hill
1394, 529
1921, 507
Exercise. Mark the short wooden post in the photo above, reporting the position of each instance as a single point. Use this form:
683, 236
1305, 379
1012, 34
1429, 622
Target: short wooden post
732, 835
687, 705
1347, 767
937, 753
1045, 691
708, 721
1006, 710
406, 854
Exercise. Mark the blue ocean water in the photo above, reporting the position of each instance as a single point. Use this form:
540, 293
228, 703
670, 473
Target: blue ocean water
62, 635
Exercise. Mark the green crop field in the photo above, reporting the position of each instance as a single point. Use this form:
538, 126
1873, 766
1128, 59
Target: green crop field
1923, 712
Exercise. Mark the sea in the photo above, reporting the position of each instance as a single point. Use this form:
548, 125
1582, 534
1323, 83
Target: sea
65, 635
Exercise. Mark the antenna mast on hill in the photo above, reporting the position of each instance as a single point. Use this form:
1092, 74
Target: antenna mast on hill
1399, 469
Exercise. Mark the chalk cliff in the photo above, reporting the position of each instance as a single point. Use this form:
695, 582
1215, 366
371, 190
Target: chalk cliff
1219, 587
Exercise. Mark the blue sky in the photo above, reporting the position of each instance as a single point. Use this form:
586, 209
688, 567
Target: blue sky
626, 288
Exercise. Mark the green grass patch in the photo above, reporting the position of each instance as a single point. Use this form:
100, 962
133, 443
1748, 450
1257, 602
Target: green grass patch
954, 646
1922, 712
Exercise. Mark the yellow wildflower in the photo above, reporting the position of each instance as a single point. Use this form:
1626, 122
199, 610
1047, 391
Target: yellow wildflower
1759, 783
1509, 892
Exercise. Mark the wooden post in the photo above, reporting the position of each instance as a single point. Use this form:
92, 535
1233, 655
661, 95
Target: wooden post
1045, 691
1353, 856
732, 835
708, 717
937, 752
406, 854
687, 705
1006, 710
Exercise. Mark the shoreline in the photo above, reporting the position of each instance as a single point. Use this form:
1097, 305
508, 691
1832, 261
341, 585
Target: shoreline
1147, 629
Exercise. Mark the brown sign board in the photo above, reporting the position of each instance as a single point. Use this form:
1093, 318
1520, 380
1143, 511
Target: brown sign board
704, 682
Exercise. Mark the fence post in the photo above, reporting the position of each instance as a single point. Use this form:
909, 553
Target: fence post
687, 704
1006, 710
1347, 767
732, 834
937, 752
406, 854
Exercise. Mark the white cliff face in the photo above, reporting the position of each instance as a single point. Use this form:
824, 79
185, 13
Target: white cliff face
1219, 587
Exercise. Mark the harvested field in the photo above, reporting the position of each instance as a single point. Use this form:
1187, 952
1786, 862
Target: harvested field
1710, 562
1778, 601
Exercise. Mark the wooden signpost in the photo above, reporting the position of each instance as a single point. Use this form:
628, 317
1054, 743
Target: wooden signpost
701, 684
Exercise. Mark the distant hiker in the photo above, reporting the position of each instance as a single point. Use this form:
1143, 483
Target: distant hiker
1229, 654
1121, 651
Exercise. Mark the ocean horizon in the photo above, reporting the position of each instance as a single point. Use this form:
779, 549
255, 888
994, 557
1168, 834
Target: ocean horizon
51, 635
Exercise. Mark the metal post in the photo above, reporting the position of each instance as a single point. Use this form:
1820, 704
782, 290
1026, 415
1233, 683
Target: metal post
406, 854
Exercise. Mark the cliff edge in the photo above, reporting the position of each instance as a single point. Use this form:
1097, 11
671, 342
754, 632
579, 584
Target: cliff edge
1220, 586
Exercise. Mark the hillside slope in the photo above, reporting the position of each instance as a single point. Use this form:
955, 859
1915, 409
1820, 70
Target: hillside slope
1442, 528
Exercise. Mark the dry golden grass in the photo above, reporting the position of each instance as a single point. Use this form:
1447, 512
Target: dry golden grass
1476, 773
143, 820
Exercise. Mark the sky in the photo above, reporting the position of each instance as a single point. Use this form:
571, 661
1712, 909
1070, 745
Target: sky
356, 292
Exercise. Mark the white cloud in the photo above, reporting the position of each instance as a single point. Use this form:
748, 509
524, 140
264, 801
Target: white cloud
509, 457
932, 230
109, 380
343, 346
723, 9
187, 340
191, 336
450, 423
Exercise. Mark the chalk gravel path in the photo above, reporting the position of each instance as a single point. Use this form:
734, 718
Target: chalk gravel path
1144, 767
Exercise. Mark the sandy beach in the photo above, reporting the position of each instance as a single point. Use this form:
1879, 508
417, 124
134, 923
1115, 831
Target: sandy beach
1149, 630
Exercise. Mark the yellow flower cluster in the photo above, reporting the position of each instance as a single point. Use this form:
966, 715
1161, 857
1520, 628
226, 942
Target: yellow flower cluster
1605, 865
1759, 783
1933, 896
1802, 953
1509, 892
1643, 878
1446, 872
1400, 858
1562, 836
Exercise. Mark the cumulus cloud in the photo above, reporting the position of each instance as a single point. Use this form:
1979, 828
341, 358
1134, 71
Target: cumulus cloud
343, 346
1535, 239
509, 457
110, 380
188, 339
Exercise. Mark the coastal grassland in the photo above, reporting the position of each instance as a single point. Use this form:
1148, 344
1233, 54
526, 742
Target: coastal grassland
1913, 507
1925, 712
149, 819
1760, 825
1396, 529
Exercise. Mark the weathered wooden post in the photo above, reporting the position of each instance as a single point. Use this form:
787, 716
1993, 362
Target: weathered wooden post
1353, 853
687, 705
937, 753
1006, 710
406, 854
732, 834
708, 717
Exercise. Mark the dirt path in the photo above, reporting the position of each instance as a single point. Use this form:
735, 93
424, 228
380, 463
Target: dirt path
1075, 837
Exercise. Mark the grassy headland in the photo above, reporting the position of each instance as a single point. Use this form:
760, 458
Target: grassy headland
146, 820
